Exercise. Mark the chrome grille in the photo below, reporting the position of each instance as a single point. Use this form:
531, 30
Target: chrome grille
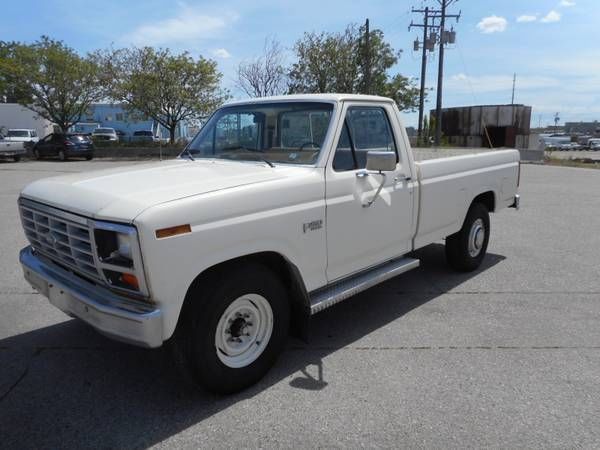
62, 237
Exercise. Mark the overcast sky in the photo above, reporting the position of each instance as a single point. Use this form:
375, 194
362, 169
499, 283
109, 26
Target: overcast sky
550, 44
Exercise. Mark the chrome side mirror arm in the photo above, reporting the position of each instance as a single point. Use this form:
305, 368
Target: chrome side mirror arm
365, 173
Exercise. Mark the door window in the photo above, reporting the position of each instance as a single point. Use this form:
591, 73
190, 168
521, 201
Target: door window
365, 128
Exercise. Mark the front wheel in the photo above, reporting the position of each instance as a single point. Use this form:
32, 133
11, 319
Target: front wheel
234, 328
466, 249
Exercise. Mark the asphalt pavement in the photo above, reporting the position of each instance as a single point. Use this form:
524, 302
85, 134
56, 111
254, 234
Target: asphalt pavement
505, 357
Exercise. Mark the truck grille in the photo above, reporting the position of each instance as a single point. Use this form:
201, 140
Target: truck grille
62, 237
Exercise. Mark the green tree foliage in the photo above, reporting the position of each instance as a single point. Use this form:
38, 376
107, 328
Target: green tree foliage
50, 79
326, 63
344, 63
169, 88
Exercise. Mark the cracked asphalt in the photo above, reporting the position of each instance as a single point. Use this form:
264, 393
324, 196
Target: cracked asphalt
505, 357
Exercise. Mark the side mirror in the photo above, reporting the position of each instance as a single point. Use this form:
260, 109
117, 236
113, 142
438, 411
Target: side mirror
381, 161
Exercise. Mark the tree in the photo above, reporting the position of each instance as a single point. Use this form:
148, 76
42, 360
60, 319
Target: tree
326, 63
264, 75
342, 62
50, 79
404, 92
169, 88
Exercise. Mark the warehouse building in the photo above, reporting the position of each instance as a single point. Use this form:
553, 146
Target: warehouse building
487, 126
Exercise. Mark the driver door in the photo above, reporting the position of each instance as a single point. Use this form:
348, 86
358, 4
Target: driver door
360, 236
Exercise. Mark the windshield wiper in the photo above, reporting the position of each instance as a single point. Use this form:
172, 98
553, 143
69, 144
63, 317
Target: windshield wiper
225, 156
252, 151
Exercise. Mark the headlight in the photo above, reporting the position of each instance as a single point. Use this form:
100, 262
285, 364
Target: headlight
119, 257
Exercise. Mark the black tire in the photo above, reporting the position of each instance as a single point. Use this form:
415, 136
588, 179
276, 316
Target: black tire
36, 154
459, 254
62, 155
89, 157
194, 343
17, 158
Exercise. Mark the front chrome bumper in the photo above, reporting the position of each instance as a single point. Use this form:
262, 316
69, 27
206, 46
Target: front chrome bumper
113, 315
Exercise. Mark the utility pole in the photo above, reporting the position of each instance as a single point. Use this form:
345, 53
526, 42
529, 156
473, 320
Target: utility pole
512, 102
444, 38
425, 47
367, 58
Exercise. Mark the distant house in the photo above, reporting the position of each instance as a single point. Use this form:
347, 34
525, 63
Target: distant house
13, 115
117, 116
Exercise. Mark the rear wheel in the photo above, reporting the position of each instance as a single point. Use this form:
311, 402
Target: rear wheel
233, 328
62, 155
466, 249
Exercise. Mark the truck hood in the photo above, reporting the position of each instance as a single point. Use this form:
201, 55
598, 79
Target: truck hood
121, 194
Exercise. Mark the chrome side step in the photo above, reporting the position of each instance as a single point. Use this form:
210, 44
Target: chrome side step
330, 295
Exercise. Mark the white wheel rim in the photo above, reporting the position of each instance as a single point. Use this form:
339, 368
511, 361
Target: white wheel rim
244, 330
476, 238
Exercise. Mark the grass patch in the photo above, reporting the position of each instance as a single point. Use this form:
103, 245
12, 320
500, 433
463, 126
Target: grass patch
585, 164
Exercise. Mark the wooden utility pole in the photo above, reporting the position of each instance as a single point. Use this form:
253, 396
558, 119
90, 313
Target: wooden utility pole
424, 49
367, 58
440, 81
512, 101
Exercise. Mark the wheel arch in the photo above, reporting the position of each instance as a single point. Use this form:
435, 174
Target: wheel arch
487, 199
278, 264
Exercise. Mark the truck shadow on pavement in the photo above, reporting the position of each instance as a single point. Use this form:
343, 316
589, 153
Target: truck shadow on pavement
66, 386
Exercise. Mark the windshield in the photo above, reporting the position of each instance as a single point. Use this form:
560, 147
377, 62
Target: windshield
290, 133
17, 133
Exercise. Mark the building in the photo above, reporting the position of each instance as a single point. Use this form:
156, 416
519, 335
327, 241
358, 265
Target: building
13, 115
584, 128
116, 115
487, 126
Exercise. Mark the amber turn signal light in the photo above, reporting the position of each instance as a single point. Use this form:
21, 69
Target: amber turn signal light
173, 231
130, 280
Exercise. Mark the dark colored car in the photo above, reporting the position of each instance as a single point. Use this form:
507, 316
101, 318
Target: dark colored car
64, 146
144, 136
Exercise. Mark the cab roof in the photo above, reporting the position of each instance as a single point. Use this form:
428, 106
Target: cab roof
330, 98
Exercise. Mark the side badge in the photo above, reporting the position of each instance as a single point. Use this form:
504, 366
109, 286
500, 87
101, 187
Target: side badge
312, 226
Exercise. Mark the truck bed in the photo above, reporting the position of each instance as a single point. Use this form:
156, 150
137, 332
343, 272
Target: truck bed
449, 183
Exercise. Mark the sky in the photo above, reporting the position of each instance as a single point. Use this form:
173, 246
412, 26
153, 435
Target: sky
551, 45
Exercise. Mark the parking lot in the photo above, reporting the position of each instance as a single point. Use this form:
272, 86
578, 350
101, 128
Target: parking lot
508, 356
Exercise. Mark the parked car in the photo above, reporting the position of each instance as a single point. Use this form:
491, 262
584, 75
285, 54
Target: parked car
24, 137
144, 136
64, 146
11, 149
570, 146
105, 134
121, 134
277, 210
594, 144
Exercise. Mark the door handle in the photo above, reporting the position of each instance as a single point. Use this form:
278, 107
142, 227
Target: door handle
401, 178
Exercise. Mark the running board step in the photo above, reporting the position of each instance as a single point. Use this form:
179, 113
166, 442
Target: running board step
330, 295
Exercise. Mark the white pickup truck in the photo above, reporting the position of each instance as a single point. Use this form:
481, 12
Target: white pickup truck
279, 208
